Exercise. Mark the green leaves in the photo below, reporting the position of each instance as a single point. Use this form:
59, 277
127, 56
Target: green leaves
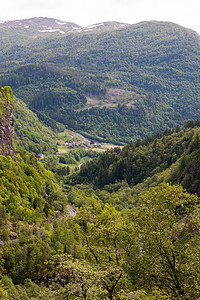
6, 93
168, 230
152, 77
32, 134
22, 184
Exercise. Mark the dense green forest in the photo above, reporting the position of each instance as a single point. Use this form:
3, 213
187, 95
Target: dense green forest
33, 133
136, 162
122, 227
124, 224
139, 79
99, 253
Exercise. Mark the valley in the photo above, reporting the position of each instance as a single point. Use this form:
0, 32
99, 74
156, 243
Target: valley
74, 137
99, 161
137, 78
82, 213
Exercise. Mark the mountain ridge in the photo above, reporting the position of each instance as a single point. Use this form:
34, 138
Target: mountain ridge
41, 25
51, 25
64, 75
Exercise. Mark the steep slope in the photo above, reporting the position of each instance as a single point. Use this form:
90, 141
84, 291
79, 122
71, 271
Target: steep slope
31, 133
24, 182
6, 122
46, 252
172, 157
29, 194
151, 67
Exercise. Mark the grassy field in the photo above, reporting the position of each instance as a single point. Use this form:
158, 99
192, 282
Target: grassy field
65, 149
69, 135
72, 136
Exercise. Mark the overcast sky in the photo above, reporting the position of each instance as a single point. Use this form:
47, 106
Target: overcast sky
87, 12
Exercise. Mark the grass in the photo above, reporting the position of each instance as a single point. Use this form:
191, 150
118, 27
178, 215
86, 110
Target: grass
68, 135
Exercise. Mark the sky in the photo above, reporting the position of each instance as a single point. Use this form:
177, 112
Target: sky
87, 12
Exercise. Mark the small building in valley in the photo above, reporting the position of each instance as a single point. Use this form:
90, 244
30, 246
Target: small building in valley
40, 156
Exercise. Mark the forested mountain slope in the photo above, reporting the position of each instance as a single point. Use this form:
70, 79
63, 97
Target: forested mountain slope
25, 183
33, 134
176, 152
143, 77
100, 249
29, 194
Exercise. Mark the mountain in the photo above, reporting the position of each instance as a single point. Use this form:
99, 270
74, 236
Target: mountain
170, 157
113, 85
22, 178
39, 26
21, 125
51, 249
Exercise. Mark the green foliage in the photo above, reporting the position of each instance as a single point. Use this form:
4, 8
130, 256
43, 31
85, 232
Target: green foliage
6, 93
115, 125
136, 162
29, 290
84, 280
120, 242
60, 162
131, 254
167, 225
75, 155
160, 69
29, 195
106, 254
6, 98
142, 295
31, 133
24, 189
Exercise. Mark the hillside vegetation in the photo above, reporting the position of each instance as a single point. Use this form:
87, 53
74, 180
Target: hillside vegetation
31, 132
144, 77
172, 157
95, 250
126, 225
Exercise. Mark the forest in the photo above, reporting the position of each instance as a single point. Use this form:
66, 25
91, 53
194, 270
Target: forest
124, 226
143, 77
119, 224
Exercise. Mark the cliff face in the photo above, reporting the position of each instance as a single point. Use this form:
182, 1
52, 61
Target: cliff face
6, 122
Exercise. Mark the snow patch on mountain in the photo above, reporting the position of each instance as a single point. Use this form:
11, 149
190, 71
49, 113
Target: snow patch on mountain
50, 25
52, 30
60, 23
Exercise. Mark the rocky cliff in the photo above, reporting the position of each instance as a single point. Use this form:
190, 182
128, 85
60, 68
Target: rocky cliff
6, 122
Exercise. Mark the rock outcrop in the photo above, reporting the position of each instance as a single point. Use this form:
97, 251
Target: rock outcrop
6, 122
